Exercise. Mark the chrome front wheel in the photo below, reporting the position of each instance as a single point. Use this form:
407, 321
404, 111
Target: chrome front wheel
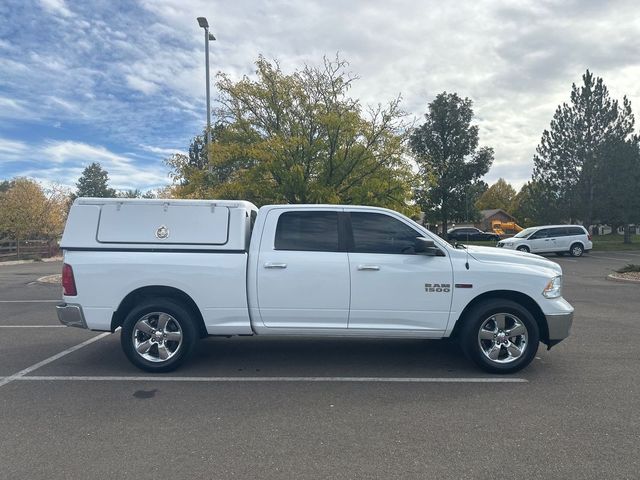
503, 338
499, 335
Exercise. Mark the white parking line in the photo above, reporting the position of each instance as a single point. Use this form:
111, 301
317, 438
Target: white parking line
35, 366
33, 326
30, 301
598, 257
273, 379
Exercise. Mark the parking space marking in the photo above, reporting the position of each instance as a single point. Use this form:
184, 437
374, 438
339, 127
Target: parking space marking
602, 257
273, 379
35, 366
30, 301
33, 326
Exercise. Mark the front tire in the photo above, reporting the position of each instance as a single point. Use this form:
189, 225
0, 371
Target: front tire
576, 250
523, 248
158, 335
500, 336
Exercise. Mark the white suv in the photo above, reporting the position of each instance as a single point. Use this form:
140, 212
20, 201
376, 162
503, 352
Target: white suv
559, 239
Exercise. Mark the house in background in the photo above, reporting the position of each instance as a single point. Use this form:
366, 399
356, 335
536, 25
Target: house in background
488, 216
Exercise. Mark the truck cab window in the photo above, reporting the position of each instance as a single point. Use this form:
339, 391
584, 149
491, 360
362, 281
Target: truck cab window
379, 233
307, 231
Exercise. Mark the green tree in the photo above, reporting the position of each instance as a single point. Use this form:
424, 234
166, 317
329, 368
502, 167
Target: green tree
566, 159
132, 193
535, 204
94, 183
5, 185
618, 175
498, 195
449, 159
299, 138
29, 211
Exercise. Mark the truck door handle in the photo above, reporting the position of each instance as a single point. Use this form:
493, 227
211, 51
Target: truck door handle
275, 265
368, 267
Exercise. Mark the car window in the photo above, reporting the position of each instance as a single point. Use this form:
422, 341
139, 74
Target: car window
544, 233
379, 233
558, 232
525, 233
576, 231
308, 231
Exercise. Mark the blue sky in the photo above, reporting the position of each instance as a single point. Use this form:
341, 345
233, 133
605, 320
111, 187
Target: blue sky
122, 82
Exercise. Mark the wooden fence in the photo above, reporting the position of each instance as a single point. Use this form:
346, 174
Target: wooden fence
12, 250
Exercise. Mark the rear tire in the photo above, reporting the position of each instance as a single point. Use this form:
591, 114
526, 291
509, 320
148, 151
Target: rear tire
500, 336
576, 250
158, 335
523, 248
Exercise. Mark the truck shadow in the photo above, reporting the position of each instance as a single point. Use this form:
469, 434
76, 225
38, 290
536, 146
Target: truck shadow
302, 356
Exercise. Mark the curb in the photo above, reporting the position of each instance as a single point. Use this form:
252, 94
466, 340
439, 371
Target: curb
613, 278
21, 262
56, 278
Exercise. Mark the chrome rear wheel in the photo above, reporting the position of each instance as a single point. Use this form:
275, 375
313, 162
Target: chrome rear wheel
157, 337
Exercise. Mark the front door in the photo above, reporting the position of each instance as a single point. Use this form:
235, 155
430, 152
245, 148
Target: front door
540, 242
392, 287
303, 276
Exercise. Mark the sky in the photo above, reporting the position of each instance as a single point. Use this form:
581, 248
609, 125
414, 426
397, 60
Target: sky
122, 82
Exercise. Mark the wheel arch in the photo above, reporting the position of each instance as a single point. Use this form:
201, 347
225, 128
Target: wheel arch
521, 298
153, 291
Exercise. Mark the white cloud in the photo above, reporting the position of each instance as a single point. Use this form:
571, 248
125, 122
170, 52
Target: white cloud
11, 149
58, 7
145, 86
130, 84
63, 162
162, 151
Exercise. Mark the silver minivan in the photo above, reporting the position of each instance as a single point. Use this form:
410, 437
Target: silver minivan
559, 239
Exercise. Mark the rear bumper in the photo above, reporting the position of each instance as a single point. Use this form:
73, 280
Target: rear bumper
559, 326
71, 315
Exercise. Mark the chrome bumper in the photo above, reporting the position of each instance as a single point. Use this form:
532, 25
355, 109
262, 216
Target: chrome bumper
71, 315
559, 326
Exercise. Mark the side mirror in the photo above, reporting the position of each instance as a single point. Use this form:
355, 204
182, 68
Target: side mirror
424, 246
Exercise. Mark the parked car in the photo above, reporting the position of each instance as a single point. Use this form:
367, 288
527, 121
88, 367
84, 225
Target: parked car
559, 239
169, 272
471, 234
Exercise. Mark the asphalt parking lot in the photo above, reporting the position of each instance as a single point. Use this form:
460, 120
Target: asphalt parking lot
88, 413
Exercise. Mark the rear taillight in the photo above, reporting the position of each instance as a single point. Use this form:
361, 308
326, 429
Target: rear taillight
68, 282
589, 236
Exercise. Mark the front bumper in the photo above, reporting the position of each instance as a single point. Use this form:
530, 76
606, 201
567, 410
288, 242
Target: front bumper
71, 315
559, 326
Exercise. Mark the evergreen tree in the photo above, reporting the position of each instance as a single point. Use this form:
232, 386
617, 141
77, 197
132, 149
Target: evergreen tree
535, 204
94, 183
449, 159
566, 160
618, 180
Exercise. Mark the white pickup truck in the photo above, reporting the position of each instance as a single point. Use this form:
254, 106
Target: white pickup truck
169, 272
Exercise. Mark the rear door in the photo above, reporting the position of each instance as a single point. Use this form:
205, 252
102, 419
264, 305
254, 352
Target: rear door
392, 287
303, 270
559, 239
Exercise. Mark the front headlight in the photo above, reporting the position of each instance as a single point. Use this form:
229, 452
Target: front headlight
553, 288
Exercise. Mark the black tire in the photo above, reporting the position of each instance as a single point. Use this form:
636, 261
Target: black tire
181, 323
523, 248
576, 250
483, 314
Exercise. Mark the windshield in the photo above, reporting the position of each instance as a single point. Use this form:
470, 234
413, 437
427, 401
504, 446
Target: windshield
525, 233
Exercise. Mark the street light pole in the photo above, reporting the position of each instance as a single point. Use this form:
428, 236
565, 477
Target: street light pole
202, 21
